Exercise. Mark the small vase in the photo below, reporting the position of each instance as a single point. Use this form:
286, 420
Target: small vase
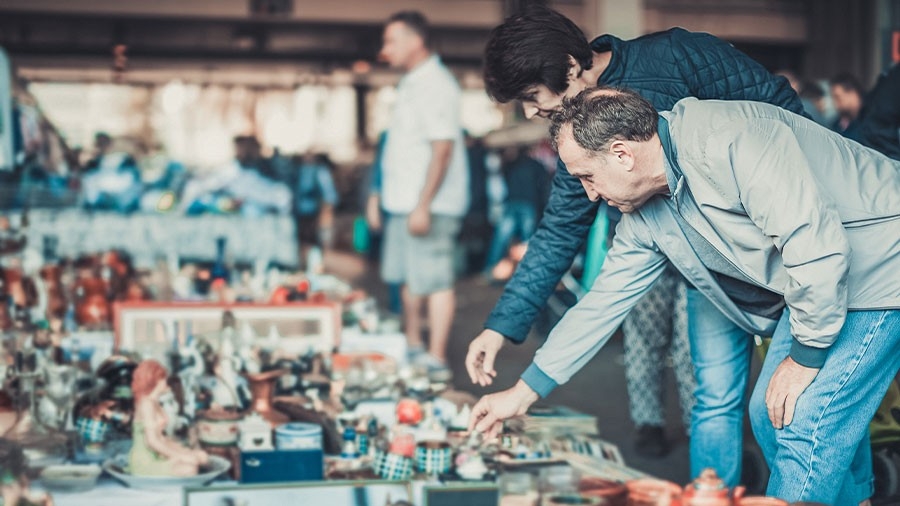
262, 389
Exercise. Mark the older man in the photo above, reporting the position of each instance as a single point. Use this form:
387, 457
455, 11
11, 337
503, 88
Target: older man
706, 187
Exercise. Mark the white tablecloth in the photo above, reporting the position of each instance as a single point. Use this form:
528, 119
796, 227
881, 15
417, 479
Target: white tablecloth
147, 235
110, 492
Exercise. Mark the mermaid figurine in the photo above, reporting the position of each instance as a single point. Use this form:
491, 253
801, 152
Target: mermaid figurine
152, 453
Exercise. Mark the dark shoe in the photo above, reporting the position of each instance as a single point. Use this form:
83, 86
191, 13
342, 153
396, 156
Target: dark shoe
651, 441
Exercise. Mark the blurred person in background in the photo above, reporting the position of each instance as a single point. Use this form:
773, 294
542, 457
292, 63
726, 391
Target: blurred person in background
315, 198
111, 181
425, 186
162, 177
879, 124
375, 216
238, 186
525, 191
248, 154
811, 95
847, 95
542, 57
476, 228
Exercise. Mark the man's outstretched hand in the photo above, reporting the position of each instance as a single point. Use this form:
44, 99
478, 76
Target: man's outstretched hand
490, 412
481, 356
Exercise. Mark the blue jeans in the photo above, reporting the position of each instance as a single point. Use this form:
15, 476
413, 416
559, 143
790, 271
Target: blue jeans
720, 351
824, 454
518, 220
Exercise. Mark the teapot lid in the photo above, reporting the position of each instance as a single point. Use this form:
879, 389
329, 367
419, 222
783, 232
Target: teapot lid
709, 481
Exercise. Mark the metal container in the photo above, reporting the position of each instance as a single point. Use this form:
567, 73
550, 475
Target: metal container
298, 436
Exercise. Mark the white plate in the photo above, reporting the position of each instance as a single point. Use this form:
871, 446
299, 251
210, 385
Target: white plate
70, 478
117, 465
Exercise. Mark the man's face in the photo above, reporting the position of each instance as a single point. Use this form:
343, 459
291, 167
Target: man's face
609, 175
399, 45
544, 102
846, 102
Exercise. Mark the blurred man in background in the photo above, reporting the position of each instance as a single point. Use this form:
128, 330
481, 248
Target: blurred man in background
425, 186
847, 95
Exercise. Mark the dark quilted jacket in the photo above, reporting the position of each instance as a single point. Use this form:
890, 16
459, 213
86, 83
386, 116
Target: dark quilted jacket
664, 68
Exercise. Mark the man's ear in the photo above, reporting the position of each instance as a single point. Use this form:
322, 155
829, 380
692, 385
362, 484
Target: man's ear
574, 69
622, 152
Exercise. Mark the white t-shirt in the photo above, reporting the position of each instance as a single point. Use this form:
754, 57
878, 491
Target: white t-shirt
427, 109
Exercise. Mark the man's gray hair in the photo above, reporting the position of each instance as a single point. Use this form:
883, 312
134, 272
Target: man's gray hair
601, 115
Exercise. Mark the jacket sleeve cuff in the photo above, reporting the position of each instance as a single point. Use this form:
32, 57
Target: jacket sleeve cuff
509, 330
808, 356
538, 381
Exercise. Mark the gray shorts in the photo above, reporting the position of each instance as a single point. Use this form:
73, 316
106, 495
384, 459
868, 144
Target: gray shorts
424, 263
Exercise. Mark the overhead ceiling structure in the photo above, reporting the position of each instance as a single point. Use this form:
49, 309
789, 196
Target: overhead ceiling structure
224, 41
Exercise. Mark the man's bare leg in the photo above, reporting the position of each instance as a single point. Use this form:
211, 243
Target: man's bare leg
412, 317
441, 309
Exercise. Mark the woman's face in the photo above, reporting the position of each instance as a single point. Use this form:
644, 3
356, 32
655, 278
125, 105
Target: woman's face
160, 388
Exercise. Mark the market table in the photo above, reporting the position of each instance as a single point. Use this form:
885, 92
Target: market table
147, 236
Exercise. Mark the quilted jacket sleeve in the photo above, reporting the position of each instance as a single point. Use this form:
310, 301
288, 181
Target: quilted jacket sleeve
559, 236
715, 70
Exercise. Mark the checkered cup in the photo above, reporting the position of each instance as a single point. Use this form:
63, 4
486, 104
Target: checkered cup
392, 466
434, 457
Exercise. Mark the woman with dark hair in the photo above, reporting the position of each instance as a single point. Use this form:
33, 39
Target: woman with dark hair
152, 453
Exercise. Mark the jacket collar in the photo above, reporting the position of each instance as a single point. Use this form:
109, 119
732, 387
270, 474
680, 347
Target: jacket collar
674, 176
613, 72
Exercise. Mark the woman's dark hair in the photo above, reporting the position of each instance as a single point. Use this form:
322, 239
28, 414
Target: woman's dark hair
532, 49
601, 115
415, 21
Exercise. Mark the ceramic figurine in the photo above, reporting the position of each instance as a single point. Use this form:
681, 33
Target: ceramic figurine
255, 433
470, 466
249, 352
229, 390
152, 453
460, 421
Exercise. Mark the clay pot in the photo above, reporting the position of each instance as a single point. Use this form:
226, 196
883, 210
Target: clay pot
218, 427
652, 492
262, 389
56, 301
13, 286
613, 493
91, 306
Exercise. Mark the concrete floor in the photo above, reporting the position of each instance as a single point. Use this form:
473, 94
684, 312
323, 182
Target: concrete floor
598, 389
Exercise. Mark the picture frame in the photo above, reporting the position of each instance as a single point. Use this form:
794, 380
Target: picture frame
456, 493
147, 328
350, 492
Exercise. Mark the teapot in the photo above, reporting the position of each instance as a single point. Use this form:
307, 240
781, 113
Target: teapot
709, 490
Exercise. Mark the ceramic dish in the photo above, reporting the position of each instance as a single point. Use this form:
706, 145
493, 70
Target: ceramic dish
70, 478
117, 468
